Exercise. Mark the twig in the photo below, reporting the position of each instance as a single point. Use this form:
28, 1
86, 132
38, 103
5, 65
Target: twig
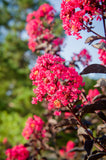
94, 32
81, 124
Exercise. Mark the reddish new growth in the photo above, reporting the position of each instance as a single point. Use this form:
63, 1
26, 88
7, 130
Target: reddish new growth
76, 14
55, 82
102, 53
64, 152
83, 57
39, 27
17, 153
34, 126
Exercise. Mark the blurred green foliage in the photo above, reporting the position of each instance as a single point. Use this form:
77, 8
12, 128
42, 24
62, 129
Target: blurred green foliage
15, 57
11, 127
89, 83
16, 90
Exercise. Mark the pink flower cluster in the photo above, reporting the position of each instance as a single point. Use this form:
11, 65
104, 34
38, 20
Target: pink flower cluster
64, 152
55, 82
34, 126
102, 53
75, 14
83, 57
38, 23
45, 10
92, 93
58, 41
17, 153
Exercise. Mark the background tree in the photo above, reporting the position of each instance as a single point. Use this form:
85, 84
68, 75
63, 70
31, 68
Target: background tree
15, 61
15, 64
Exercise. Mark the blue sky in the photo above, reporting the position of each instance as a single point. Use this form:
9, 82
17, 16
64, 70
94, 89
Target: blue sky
75, 46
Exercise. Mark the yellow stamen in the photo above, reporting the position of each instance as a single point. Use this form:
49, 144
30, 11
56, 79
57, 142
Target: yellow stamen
32, 125
36, 72
57, 103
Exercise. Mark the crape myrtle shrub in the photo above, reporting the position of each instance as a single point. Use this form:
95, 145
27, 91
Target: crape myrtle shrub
69, 112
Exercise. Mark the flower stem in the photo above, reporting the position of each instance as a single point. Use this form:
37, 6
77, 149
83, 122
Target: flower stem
88, 28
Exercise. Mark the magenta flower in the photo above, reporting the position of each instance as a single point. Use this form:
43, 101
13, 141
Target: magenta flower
17, 153
65, 151
92, 93
102, 53
33, 126
83, 57
37, 25
55, 82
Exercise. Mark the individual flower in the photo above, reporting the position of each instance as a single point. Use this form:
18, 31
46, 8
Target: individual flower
67, 115
65, 151
57, 113
34, 28
31, 16
18, 152
55, 82
58, 41
83, 57
102, 53
92, 93
33, 126
47, 11
32, 45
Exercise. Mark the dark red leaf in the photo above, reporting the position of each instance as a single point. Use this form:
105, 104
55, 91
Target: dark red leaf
97, 156
100, 96
102, 115
91, 39
91, 108
88, 146
100, 45
77, 149
94, 68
